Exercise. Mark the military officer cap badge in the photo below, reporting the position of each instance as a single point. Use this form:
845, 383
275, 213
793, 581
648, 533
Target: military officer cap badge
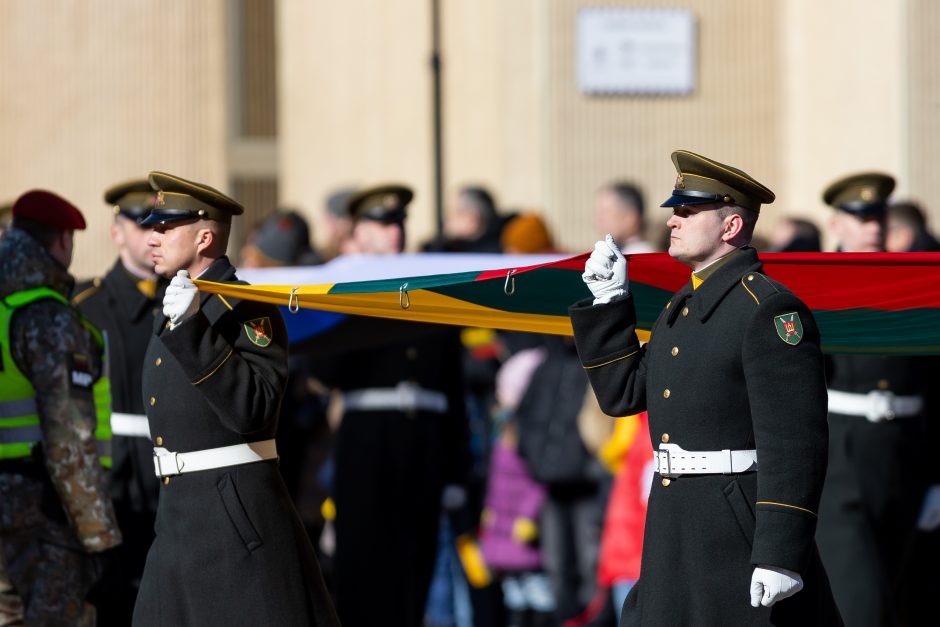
179, 199
702, 181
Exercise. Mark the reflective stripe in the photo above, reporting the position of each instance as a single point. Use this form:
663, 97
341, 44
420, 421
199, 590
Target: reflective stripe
14, 435
21, 407
130, 425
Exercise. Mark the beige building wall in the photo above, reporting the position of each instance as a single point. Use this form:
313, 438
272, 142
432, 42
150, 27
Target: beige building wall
355, 106
94, 92
845, 87
795, 92
923, 89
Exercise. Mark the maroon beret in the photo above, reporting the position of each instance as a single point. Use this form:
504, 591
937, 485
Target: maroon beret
47, 208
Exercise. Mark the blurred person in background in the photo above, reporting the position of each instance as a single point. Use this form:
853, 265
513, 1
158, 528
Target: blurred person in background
629, 457
123, 304
281, 239
882, 483
906, 230
794, 235
401, 446
526, 234
509, 534
619, 210
337, 225
551, 444
471, 223
58, 530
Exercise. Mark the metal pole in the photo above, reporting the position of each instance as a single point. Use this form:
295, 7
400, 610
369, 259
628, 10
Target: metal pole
437, 113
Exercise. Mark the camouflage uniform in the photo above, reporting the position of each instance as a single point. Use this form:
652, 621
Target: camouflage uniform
54, 508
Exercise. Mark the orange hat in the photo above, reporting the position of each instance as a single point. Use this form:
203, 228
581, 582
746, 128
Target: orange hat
47, 208
526, 234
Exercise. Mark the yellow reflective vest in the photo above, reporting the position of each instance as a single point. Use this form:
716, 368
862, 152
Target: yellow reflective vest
19, 417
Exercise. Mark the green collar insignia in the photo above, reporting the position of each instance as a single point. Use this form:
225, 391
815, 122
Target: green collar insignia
789, 328
259, 331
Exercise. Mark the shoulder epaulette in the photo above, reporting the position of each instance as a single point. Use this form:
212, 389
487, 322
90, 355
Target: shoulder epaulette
89, 291
758, 286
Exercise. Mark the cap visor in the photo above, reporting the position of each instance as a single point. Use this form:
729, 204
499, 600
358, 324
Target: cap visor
677, 201
156, 217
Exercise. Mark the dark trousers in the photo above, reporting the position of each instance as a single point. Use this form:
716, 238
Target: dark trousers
387, 493
570, 534
867, 515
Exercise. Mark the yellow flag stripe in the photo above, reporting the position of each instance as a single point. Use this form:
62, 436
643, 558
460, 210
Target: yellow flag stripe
423, 306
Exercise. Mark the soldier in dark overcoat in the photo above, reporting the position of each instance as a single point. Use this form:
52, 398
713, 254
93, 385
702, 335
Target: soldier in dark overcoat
123, 304
229, 548
732, 378
401, 445
881, 486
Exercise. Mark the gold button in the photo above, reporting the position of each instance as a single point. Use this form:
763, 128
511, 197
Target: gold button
668, 305
666, 393
883, 384
685, 311
158, 361
158, 440
166, 481
153, 401
665, 438
666, 481
675, 351
750, 277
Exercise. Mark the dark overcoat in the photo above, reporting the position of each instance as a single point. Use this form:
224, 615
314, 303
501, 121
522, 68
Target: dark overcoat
878, 473
391, 466
229, 548
716, 374
125, 315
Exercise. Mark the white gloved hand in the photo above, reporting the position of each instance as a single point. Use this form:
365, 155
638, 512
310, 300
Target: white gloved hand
770, 584
929, 518
453, 497
605, 272
180, 301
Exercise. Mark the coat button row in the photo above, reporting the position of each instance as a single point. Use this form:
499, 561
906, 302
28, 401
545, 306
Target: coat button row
666, 393
158, 361
158, 440
666, 481
665, 438
674, 351
685, 311
153, 401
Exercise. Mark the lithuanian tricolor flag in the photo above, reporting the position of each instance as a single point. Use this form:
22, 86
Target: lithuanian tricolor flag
879, 303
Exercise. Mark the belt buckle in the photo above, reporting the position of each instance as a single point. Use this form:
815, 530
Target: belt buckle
160, 454
664, 460
407, 397
880, 406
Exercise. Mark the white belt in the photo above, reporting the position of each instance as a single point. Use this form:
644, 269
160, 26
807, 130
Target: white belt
167, 463
673, 461
403, 397
130, 425
876, 406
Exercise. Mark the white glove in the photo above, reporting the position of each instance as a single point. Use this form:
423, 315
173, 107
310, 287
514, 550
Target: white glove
770, 584
929, 518
605, 272
179, 301
453, 497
